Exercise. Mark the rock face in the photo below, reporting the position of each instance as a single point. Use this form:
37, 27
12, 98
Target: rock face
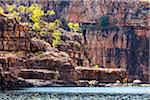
123, 47
121, 41
34, 62
124, 12
25, 59
105, 75
119, 50
13, 36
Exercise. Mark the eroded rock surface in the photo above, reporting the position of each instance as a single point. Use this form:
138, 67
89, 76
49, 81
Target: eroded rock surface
105, 75
39, 64
125, 46
24, 53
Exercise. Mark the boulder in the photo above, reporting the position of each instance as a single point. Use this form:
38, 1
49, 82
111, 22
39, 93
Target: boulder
38, 74
137, 81
105, 75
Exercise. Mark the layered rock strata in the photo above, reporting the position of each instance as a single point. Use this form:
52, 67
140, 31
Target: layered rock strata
34, 62
125, 41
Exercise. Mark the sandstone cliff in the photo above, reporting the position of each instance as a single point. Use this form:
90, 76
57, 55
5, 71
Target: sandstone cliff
126, 46
31, 61
121, 42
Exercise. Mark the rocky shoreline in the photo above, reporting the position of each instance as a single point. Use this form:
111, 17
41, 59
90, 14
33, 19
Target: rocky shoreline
56, 83
34, 62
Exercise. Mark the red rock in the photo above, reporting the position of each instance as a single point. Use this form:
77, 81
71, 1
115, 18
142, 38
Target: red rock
1, 45
118, 49
38, 74
102, 74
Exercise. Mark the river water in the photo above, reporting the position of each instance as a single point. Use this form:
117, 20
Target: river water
77, 93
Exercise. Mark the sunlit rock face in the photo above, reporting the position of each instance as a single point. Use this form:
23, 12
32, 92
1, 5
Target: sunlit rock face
25, 61
128, 51
105, 75
125, 46
13, 36
40, 64
124, 12
128, 46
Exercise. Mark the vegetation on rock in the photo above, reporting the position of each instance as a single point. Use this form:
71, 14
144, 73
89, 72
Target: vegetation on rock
35, 14
1, 10
104, 22
74, 27
96, 66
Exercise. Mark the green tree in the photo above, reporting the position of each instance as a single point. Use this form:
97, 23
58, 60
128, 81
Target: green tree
104, 22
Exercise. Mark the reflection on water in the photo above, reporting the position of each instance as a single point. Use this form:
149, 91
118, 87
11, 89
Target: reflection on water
78, 93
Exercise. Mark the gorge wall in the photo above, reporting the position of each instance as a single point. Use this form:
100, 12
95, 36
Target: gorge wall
26, 60
124, 47
124, 44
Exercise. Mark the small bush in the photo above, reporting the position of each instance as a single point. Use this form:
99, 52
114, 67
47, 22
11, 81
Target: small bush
74, 27
96, 66
104, 22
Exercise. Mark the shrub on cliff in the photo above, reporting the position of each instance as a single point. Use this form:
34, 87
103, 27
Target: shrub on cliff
35, 16
104, 22
105, 25
74, 27
1, 10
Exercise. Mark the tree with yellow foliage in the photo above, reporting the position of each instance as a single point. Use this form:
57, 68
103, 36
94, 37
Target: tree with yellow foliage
74, 26
35, 13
